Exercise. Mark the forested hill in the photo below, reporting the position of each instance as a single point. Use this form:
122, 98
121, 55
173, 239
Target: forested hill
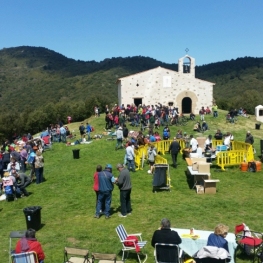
36, 80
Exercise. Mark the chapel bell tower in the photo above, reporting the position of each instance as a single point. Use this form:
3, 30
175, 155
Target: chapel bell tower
186, 65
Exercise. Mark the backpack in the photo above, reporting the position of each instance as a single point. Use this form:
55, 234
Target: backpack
8, 190
252, 167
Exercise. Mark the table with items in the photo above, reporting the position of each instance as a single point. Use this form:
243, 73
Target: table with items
191, 243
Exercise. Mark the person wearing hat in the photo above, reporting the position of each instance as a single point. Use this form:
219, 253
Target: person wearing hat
174, 149
106, 181
119, 135
249, 138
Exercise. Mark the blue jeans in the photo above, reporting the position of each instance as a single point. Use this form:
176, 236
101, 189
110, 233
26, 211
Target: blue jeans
131, 165
63, 138
104, 198
39, 174
88, 132
23, 165
119, 143
125, 198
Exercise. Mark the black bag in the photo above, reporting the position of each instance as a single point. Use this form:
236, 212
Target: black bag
252, 167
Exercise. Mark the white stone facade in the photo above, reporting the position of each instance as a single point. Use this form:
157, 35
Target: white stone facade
168, 87
259, 113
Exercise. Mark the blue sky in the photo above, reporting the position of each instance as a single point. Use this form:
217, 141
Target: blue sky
212, 30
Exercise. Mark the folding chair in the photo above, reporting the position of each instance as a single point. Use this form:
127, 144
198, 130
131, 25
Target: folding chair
124, 237
104, 258
248, 241
167, 253
15, 234
27, 257
76, 255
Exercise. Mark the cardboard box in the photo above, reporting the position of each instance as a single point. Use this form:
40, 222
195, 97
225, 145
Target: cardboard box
203, 167
200, 189
195, 166
210, 186
196, 159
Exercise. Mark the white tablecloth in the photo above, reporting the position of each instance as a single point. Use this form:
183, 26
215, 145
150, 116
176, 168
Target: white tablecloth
191, 246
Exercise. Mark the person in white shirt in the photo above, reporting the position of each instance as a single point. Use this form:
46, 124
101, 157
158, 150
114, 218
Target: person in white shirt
208, 143
119, 135
227, 140
130, 157
193, 144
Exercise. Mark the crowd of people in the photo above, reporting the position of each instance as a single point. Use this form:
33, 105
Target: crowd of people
18, 158
15, 161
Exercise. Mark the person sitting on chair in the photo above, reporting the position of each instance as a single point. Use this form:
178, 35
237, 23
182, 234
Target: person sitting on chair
29, 243
164, 234
217, 239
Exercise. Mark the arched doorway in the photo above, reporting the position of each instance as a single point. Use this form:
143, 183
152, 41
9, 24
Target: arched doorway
186, 105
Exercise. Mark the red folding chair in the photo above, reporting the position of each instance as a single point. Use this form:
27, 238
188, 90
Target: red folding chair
249, 241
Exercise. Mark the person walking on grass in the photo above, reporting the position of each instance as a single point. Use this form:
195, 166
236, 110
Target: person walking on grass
174, 150
119, 135
125, 186
151, 158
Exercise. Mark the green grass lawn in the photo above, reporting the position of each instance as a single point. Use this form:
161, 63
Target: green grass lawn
68, 200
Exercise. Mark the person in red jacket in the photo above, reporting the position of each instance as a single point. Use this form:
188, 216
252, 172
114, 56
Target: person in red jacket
29, 243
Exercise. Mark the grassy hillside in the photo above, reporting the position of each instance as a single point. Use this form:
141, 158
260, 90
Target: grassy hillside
68, 200
33, 76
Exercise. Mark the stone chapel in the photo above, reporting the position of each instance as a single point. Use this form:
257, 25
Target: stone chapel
160, 85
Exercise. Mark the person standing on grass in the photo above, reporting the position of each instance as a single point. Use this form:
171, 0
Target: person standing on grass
174, 150
39, 167
125, 186
151, 158
249, 138
88, 130
119, 135
106, 180
130, 157
82, 130
193, 144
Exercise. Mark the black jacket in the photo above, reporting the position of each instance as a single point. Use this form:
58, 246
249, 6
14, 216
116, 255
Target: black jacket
169, 237
174, 147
